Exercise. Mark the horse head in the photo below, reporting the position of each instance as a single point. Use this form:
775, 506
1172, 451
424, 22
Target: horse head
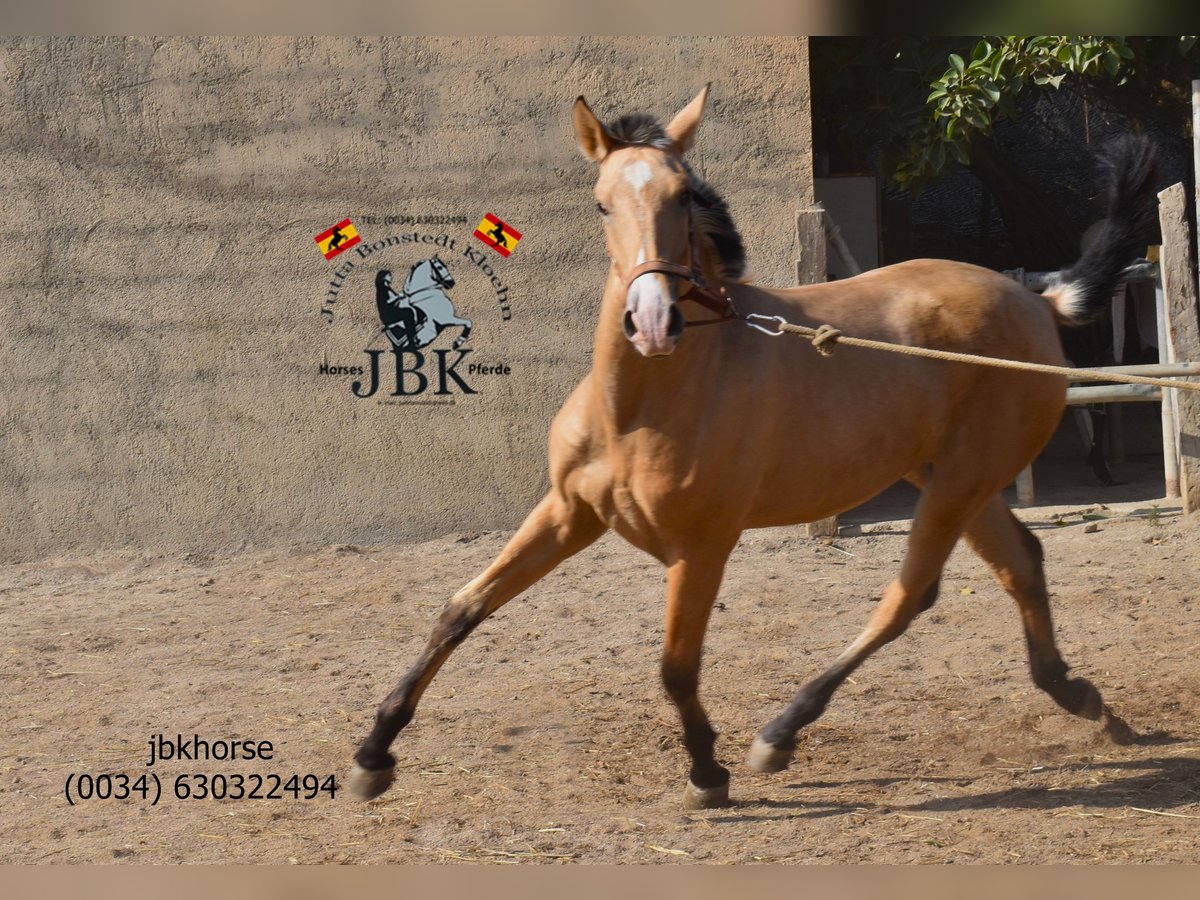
441, 275
644, 195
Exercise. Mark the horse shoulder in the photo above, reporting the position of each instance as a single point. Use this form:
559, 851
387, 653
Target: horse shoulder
577, 465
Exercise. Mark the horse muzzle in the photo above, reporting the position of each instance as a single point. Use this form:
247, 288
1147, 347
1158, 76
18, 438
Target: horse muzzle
652, 321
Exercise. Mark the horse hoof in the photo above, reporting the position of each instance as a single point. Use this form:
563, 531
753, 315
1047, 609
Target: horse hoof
705, 798
764, 757
1118, 729
1093, 707
367, 784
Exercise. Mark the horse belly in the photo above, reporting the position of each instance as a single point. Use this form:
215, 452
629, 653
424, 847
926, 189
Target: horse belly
792, 497
834, 457
994, 423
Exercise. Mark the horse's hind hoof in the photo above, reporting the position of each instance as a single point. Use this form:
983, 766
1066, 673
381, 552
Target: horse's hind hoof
1118, 729
764, 757
705, 798
367, 784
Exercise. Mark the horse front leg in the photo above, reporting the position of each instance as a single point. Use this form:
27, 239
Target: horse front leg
466, 332
557, 528
692, 585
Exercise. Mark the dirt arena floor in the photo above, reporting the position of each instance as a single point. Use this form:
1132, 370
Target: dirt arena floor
547, 738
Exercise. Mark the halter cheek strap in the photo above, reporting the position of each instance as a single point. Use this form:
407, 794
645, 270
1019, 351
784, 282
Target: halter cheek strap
698, 289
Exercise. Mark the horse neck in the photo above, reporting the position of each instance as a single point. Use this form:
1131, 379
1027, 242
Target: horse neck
631, 388
420, 279
709, 266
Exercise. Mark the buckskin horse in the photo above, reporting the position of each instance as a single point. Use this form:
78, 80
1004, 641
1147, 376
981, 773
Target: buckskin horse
680, 438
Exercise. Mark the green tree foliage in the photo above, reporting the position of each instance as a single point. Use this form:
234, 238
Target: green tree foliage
909, 107
968, 97
920, 103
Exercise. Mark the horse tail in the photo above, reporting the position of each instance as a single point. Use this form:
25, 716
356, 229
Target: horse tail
1083, 291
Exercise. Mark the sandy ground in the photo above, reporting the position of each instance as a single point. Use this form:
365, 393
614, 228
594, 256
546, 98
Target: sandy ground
547, 737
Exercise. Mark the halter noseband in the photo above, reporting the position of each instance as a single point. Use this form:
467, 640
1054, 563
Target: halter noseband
698, 289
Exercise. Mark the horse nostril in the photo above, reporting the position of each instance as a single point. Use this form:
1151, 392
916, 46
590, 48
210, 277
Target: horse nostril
629, 326
676, 324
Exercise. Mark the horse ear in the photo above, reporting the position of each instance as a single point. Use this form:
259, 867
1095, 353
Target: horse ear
594, 140
682, 129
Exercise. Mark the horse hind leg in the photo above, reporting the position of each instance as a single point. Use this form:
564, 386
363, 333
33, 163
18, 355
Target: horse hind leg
557, 528
466, 332
1015, 556
947, 504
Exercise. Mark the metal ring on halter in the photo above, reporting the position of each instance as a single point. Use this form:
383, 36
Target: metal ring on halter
778, 320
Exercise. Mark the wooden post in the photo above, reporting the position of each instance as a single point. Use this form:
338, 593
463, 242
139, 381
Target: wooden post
1196, 163
1182, 334
810, 238
1170, 433
833, 234
1113, 393
810, 269
1025, 490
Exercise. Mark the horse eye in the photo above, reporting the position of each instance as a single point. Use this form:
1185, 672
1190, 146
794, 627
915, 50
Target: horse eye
602, 208
685, 198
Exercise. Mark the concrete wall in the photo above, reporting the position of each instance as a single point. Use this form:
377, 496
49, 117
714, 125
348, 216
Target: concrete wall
161, 291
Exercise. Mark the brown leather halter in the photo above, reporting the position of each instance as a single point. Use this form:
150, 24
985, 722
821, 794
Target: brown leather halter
698, 289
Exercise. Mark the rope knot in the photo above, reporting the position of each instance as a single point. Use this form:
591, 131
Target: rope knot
825, 339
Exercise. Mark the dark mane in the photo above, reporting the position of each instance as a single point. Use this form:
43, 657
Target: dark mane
711, 213
639, 129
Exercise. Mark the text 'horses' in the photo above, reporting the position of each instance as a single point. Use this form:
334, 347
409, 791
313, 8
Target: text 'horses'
681, 438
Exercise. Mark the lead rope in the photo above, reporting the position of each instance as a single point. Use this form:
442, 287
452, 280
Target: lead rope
826, 338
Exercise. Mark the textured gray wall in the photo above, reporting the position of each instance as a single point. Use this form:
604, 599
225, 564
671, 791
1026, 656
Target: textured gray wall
161, 291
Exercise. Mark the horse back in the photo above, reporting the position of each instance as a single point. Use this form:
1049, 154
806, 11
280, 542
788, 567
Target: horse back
939, 304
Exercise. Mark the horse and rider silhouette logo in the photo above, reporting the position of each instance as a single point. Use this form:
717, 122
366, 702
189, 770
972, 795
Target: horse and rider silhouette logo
416, 314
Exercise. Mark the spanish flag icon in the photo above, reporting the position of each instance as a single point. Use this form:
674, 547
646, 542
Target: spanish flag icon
341, 236
500, 236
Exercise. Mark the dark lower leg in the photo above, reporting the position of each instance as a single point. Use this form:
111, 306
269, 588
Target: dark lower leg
455, 623
900, 605
936, 529
691, 590
806, 707
698, 735
1077, 696
550, 534
1016, 558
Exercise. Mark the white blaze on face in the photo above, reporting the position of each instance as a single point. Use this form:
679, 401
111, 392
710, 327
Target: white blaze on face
647, 300
638, 174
